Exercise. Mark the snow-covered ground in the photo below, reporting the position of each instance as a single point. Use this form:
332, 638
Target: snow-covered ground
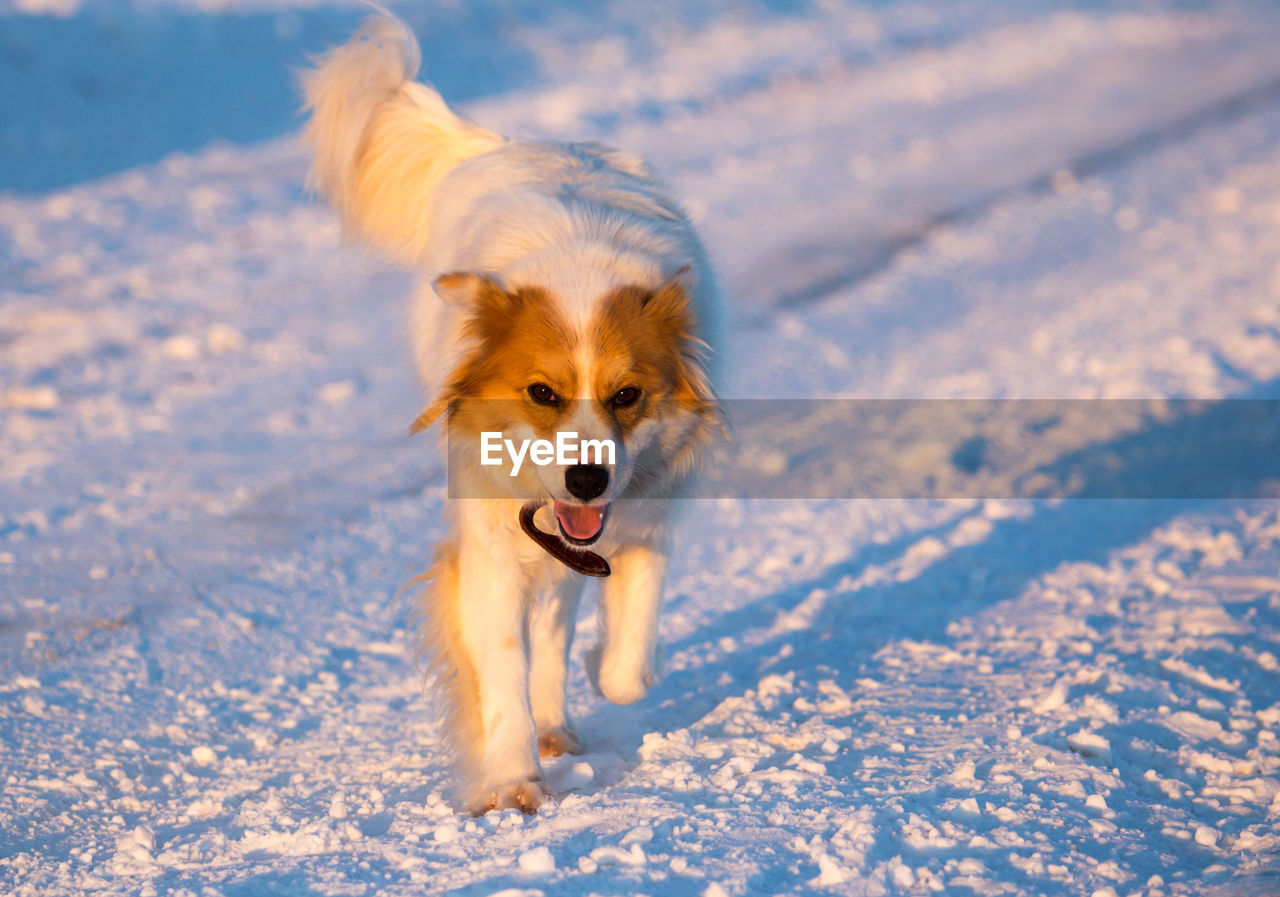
207, 502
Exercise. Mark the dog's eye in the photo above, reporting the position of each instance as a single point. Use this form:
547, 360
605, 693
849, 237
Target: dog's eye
543, 394
625, 397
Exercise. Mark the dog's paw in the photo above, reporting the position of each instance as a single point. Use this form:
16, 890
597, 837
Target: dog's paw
558, 740
625, 686
623, 681
527, 797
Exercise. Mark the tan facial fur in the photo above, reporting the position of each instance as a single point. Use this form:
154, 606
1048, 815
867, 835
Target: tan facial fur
647, 340
638, 339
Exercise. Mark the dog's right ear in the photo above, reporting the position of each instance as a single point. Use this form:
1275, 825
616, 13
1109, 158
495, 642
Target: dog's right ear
430, 414
489, 311
468, 289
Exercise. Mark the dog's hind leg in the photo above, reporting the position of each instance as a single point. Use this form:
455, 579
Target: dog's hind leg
630, 601
551, 636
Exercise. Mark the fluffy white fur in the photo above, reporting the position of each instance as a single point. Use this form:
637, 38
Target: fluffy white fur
577, 221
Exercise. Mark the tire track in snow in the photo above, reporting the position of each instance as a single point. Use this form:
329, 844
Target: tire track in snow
880, 257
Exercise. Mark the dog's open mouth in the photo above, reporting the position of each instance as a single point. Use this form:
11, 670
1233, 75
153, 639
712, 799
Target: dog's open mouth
580, 524
579, 559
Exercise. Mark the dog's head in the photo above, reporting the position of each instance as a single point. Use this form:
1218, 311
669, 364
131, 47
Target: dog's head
627, 375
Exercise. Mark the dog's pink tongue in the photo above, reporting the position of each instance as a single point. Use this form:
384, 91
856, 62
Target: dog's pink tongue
579, 521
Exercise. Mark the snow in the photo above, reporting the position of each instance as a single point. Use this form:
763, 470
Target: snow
537, 862
208, 505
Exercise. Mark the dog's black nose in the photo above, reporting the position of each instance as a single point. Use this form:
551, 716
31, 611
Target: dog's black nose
586, 481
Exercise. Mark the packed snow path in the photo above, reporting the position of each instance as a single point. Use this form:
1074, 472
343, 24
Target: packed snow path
207, 503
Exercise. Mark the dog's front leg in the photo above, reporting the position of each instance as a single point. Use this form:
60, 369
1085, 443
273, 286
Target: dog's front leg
494, 624
552, 635
630, 600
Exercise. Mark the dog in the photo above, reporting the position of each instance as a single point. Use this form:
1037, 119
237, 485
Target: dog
562, 290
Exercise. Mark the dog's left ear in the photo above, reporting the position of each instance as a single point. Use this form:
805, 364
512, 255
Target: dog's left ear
674, 294
671, 308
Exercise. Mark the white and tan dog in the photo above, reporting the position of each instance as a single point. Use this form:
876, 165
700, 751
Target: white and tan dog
562, 290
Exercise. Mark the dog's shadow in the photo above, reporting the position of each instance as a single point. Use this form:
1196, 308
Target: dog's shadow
1164, 457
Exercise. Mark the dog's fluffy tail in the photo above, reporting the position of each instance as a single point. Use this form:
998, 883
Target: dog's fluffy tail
381, 141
